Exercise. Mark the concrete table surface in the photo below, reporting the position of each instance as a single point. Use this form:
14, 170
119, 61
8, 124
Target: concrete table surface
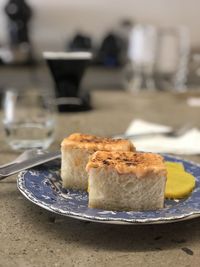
31, 236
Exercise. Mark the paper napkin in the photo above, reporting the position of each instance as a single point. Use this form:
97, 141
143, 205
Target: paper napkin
188, 143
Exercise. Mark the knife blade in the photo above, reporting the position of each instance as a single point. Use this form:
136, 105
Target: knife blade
29, 163
142, 135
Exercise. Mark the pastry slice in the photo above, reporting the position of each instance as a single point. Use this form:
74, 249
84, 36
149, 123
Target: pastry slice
126, 181
76, 150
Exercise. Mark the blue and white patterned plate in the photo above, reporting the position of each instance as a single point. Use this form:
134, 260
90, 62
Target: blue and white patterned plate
42, 186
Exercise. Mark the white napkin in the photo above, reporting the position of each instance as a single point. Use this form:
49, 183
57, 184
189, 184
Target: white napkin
188, 143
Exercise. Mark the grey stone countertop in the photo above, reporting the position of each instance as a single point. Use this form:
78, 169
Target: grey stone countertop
31, 236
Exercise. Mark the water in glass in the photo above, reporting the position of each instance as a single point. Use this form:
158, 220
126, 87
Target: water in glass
29, 119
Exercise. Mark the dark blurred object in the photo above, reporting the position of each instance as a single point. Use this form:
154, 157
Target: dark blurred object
123, 31
80, 42
67, 70
110, 51
1, 97
114, 46
194, 68
1, 60
19, 14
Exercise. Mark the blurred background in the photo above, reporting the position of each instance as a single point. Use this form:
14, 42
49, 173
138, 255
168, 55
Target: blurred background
158, 39
56, 21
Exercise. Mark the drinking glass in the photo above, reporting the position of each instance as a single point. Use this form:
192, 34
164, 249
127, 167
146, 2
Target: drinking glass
29, 118
141, 55
67, 69
158, 58
171, 66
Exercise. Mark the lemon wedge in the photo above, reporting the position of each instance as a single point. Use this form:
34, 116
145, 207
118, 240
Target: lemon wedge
179, 182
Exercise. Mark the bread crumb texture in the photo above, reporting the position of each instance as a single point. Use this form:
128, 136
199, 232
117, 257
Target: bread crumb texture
92, 142
140, 164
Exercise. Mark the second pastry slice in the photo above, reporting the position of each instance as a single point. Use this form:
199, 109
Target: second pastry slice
126, 181
76, 150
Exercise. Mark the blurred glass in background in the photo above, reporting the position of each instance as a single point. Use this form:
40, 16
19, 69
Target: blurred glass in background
158, 58
141, 55
29, 118
133, 48
171, 66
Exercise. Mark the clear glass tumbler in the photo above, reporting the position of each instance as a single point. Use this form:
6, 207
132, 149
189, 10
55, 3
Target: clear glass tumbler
173, 51
29, 118
141, 55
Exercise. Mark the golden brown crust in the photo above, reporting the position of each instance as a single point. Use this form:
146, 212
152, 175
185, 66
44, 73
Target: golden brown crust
92, 142
137, 163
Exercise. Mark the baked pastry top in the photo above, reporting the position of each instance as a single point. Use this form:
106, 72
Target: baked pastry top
92, 142
138, 163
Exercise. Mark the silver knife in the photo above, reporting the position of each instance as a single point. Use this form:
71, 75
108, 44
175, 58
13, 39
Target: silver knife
148, 134
29, 163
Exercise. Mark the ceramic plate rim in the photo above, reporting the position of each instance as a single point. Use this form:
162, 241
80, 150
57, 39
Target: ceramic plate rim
84, 217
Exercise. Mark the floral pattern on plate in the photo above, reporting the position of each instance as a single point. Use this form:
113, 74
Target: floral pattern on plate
42, 186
